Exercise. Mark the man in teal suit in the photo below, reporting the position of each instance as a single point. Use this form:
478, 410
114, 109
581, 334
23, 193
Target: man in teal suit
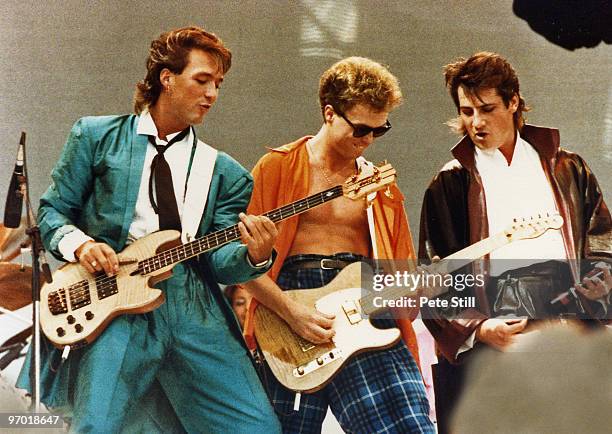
182, 367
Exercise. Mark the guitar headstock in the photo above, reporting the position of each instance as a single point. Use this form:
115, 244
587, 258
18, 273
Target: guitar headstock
362, 184
534, 226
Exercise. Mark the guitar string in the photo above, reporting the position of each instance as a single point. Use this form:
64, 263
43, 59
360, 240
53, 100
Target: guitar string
81, 289
103, 284
206, 243
317, 198
225, 236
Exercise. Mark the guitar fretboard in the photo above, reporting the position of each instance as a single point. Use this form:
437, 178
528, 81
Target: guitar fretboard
449, 264
219, 238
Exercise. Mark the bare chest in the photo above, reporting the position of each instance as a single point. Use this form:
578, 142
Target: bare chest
340, 213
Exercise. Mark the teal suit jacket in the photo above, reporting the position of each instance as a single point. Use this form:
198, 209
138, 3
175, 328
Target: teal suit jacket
95, 187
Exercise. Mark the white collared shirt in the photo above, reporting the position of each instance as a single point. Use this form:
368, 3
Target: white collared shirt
515, 190
145, 220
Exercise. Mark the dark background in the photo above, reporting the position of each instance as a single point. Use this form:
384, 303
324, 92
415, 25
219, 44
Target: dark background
63, 60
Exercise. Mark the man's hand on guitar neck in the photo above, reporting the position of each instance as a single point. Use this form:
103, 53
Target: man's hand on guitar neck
258, 233
94, 257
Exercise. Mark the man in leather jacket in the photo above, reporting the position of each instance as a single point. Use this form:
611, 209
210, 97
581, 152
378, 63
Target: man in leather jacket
504, 168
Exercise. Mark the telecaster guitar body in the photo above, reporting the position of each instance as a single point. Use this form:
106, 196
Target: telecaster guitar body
305, 367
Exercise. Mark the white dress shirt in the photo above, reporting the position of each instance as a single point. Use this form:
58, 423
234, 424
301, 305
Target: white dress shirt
515, 190
178, 155
145, 220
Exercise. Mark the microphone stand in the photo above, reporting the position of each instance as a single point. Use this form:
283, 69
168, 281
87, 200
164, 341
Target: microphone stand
38, 257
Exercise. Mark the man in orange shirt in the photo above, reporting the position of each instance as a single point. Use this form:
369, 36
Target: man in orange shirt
375, 391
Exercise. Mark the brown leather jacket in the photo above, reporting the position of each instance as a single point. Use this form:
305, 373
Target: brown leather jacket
454, 216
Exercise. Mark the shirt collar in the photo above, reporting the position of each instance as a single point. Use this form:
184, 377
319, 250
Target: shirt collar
146, 126
495, 154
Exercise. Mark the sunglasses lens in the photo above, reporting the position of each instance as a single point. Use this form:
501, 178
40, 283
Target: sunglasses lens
381, 131
362, 131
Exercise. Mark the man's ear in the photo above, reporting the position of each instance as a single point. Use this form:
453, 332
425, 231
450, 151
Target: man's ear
514, 102
166, 78
328, 113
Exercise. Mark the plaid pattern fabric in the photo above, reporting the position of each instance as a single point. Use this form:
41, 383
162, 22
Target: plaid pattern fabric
375, 392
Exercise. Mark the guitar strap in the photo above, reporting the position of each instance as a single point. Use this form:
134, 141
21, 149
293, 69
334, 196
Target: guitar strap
200, 174
367, 168
196, 193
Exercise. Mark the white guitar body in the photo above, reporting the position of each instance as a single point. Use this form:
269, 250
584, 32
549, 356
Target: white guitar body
359, 335
75, 321
305, 367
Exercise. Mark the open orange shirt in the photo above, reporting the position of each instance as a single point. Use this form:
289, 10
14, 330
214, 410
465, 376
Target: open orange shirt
281, 177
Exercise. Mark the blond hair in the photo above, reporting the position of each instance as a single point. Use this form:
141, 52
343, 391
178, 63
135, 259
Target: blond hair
358, 80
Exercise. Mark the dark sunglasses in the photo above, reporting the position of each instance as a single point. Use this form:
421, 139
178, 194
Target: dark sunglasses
364, 130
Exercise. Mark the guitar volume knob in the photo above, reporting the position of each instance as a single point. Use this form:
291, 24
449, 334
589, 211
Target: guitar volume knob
70, 319
78, 328
89, 315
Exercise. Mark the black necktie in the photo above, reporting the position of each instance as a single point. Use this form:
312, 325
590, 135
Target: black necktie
165, 207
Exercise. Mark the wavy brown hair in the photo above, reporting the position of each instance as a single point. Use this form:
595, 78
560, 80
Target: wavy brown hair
171, 50
484, 70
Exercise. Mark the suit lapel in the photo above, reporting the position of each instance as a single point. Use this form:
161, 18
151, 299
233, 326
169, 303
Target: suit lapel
137, 150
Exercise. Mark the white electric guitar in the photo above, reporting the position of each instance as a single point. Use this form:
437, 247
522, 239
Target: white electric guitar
306, 367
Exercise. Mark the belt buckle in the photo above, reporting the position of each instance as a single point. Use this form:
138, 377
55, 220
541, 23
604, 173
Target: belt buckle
326, 261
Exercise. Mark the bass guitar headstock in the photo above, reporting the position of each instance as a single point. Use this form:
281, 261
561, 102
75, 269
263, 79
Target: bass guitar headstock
381, 177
